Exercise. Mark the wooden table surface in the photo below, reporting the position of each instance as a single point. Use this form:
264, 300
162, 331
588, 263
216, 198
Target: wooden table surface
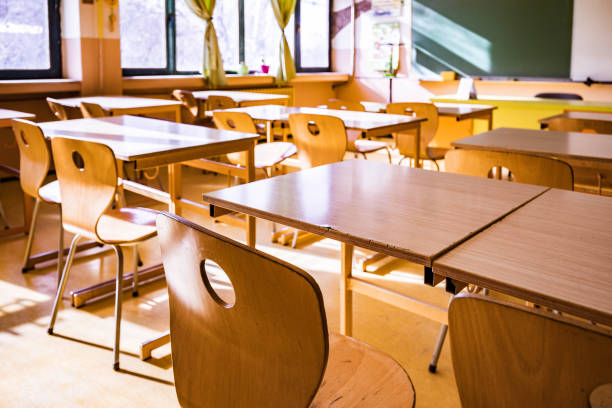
118, 102
460, 111
244, 98
7, 115
584, 116
145, 140
556, 251
404, 212
570, 145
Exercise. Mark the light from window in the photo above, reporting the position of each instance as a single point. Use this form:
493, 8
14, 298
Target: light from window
190, 35
262, 35
143, 33
314, 33
24, 35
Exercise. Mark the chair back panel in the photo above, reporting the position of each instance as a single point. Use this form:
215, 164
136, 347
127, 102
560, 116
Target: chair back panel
509, 355
578, 125
93, 110
541, 171
220, 102
61, 112
320, 139
345, 105
87, 175
427, 110
34, 157
269, 348
191, 107
239, 122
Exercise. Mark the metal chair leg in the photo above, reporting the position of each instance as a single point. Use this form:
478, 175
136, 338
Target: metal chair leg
3, 217
28, 250
64, 279
118, 301
136, 263
389, 155
60, 248
433, 365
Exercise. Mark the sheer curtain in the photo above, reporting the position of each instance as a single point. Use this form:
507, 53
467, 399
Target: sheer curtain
283, 9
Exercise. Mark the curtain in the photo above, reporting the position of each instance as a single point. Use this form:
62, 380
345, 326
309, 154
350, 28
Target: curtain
283, 9
212, 64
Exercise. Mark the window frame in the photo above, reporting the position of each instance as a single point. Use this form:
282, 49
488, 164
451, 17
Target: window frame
55, 51
170, 68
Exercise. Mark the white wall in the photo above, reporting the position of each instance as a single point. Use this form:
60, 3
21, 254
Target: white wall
592, 40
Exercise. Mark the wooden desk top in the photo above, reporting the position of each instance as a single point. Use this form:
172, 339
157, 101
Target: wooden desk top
588, 116
118, 102
456, 110
400, 211
571, 145
240, 97
365, 121
7, 115
555, 251
133, 138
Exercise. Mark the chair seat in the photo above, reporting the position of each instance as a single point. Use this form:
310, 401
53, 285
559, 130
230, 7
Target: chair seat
367, 146
358, 375
436, 153
126, 225
269, 154
50, 192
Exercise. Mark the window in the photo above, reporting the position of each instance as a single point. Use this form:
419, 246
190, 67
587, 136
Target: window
30, 44
248, 34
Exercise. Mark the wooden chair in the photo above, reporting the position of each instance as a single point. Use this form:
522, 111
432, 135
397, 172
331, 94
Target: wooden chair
355, 144
267, 155
61, 112
509, 355
87, 174
320, 139
541, 171
34, 163
93, 110
268, 345
405, 141
191, 112
578, 125
220, 102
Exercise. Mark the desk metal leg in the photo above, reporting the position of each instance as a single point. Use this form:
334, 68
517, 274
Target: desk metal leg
346, 296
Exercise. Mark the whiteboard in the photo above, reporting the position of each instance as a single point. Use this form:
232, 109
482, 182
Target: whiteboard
592, 40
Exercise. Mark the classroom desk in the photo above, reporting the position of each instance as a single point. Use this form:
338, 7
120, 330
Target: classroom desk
556, 251
6, 118
409, 213
144, 143
245, 98
128, 105
588, 120
369, 124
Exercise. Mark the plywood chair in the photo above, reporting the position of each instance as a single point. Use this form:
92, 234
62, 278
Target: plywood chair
34, 163
93, 110
267, 345
191, 112
509, 355
87, 174
579, 125
61, 112
355, 144
405, 141
541, 171
320, 139
214, 102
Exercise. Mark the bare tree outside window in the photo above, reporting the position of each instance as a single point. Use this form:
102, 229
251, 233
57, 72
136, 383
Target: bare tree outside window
24, 35
143, 33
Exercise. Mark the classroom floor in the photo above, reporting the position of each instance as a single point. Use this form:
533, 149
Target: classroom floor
74, 366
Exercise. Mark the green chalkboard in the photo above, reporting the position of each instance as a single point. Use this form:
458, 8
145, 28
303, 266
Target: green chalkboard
502, 38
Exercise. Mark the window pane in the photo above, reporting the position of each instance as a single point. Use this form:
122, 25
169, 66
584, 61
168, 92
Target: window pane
190, 35
143, 33
24, 34
314, 33
262, 35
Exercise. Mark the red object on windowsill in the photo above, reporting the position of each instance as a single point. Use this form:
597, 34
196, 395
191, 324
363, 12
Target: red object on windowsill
265, 69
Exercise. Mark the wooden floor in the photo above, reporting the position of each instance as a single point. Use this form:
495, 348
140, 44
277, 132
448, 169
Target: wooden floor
74, 366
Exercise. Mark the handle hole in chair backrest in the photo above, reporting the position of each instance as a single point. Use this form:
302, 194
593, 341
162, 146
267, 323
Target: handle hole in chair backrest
231, 123
23, 138
217, 283
506, 173
313, 128
78, 161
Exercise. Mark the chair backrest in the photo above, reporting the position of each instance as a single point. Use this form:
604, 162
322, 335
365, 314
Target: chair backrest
320, 139
220, 102
93, 110
528, 169
34, 156
509, 355
268, 348
559, 95
190, 105
61, 112
87, 175
578, 125
428, 128
345, 105
239, 122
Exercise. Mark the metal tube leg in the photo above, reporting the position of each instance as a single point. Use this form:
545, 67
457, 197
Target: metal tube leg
64, 279
28, 250
118, 301
136, 263
60, 248
433, 365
